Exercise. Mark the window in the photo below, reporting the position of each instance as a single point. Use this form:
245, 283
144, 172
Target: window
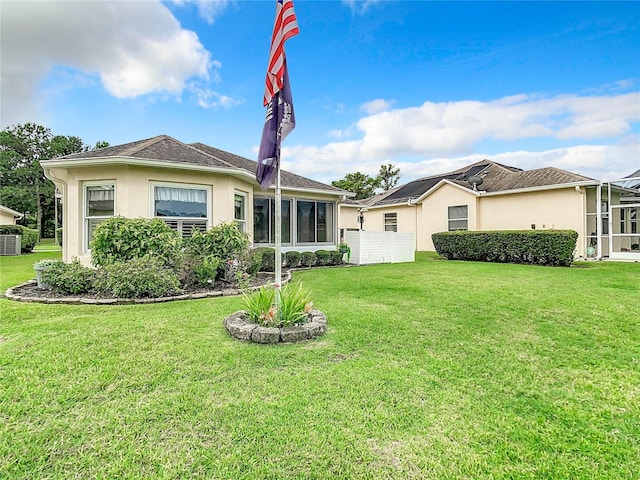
390, 222
458, 218
314, 221
264, 220
622, 220
633, 220
183, 208
99, 204
240, 210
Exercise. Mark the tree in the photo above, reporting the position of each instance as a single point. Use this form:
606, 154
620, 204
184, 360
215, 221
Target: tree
23, 186
362, 185
388, 176
100, 144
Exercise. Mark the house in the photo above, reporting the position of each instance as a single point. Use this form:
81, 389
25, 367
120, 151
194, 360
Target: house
9, 216
490, 196
190, 187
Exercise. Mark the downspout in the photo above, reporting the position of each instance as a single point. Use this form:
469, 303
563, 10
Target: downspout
599, 221
584, 219
411, 203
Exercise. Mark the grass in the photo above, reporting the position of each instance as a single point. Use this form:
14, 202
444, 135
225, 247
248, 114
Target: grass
430, 370
47, 245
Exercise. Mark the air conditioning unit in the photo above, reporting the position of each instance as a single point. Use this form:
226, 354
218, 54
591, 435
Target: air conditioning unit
10, 244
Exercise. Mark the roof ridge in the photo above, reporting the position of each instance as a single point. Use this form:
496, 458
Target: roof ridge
193, 147
139, 146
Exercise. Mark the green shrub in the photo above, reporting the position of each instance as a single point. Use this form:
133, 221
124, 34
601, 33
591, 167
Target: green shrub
120, 239
268, 256
205, 270
29, 236
292, 259
538, 247
253, 262
224, 241
337, 257
323, 257
69, 278
308, 259
140, 277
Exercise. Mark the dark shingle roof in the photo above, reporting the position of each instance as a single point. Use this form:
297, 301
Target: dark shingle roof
161, 148
164, 148
288, 179
496, 178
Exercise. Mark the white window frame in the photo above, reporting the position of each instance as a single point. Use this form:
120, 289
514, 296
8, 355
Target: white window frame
449, 219
241, 222
391, 222
270, 217
334, 221
185, 186
86, 218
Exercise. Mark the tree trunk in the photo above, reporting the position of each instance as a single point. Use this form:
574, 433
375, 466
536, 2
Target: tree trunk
39, 210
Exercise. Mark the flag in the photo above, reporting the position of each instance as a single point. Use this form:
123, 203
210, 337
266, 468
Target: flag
280, 119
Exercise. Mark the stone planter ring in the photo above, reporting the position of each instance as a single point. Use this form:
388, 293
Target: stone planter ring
239, 326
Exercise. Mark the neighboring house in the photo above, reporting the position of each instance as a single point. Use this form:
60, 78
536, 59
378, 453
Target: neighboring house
9, 216
189, 187
489, 196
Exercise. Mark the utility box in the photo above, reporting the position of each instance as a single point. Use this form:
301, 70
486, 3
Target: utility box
10, 244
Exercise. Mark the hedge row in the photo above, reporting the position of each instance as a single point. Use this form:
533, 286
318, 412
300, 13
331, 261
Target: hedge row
298, 259
538, 247
29, 236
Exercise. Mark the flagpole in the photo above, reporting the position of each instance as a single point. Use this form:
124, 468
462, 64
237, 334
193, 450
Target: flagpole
278, 227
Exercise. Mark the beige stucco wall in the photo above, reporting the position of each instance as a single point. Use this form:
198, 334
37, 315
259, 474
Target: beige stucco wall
133, 196
406, 215
348, 217
547, 209
7, 218
558, 209
435, 212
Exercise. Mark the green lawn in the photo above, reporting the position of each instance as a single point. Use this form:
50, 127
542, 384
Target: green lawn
429, 370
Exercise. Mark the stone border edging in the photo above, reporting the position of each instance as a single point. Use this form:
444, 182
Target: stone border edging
239, 326
125, 301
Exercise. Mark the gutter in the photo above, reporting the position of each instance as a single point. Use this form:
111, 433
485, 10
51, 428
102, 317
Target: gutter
131, 161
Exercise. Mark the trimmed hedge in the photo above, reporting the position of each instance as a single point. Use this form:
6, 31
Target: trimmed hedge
120, 239
29, 236
537, 247
292, 259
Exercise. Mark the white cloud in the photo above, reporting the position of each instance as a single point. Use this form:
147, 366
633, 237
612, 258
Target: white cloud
455, 127
378, 105
207, 98
135, 48
207, 9
438, 137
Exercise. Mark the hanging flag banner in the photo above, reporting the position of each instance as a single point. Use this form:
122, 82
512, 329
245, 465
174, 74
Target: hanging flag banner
280, 119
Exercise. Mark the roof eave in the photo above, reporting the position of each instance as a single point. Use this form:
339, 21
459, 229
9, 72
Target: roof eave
556, 186
141, 162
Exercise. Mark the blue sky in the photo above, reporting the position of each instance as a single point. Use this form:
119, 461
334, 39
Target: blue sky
427, 86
